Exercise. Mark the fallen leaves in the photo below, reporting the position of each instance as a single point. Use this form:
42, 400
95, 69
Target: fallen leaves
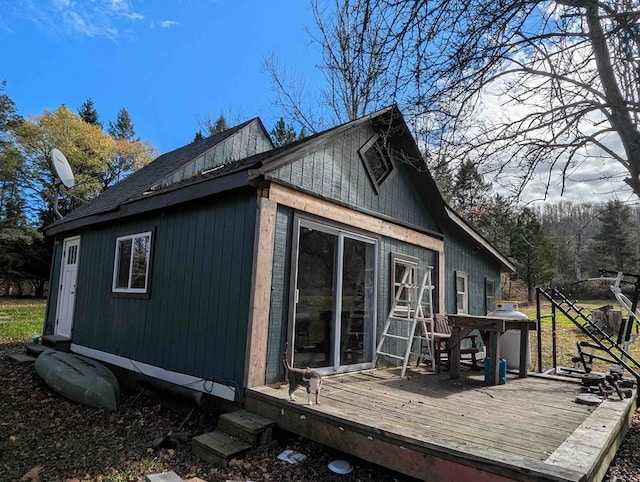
45, 437
33, 474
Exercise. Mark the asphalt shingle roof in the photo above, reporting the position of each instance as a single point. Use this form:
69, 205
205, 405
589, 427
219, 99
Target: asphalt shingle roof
140, 181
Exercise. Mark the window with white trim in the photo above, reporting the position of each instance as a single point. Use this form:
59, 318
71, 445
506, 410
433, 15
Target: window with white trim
131, 264
462, 292
398, 265
490, 296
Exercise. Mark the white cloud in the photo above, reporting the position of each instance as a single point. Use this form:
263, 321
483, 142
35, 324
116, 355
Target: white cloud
592, 174
164, 24
4, 27
95, 18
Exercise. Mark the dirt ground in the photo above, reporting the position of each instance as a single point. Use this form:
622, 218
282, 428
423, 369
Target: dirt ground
44, 437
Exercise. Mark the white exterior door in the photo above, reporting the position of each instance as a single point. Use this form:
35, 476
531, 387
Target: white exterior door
67, 294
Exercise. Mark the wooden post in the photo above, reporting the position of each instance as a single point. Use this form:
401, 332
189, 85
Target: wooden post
494, 357
258, 324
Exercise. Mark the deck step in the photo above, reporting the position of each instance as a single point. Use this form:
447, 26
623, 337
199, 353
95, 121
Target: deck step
35, 350
60, 343
252, 428
21, 358
219, 448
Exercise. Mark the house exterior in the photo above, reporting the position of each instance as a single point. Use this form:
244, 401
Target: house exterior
198, 268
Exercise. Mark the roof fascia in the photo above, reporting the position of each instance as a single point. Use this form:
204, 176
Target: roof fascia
159, 200
311, 145
477, 237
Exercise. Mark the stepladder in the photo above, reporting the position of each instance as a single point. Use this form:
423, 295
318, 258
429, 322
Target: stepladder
408, 329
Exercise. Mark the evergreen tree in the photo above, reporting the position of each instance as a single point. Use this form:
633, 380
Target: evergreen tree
8, 111
283, 134
12, 202
218, 126
440, 169
88, 113
532, 249
126, 160
123, 127
9, 158
498, 221
615, 243
198, 136
470, 193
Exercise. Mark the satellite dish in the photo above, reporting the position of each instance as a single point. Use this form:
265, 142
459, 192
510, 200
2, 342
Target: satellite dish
62, 168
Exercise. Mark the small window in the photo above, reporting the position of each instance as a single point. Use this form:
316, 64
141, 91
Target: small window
398, 265
462, 292
377, 160
490, 294
131, 266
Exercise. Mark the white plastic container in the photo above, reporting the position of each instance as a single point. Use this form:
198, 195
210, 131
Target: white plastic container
509, 342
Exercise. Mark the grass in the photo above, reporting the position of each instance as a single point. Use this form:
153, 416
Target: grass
567, 335
20, 319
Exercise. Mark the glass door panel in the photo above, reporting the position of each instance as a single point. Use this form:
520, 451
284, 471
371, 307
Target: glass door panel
357, 287
315, 308
334, 318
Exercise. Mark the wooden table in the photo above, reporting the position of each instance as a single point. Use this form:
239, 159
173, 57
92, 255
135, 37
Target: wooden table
490, 328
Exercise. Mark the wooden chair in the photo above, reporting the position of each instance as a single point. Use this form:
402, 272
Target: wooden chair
441, 336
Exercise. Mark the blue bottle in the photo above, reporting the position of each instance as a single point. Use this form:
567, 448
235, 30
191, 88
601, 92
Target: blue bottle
502, 371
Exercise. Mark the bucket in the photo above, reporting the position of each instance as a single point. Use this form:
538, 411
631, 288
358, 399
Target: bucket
502, 371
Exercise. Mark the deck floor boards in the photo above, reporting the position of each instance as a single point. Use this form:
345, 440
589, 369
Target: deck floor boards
523, 428
527, 419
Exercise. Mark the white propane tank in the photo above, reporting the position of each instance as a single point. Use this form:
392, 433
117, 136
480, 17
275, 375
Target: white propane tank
509, 342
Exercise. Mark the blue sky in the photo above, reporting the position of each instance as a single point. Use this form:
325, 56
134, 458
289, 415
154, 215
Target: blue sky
168, 62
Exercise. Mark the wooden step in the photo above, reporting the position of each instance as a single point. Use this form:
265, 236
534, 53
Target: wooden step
60, 343
218, 447
252, 428
21, 358
35, 350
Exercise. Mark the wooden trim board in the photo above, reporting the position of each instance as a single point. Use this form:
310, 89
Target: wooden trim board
258, 326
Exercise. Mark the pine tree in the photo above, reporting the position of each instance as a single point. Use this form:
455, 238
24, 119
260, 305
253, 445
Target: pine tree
440, 170
12, 203
532, 249
614, 244
497, 223
88, 113
219, 126
283, 134
123, 127
198, 136
470, 193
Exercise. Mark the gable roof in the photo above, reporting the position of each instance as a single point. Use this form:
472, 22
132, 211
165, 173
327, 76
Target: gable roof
147, 188
139, 182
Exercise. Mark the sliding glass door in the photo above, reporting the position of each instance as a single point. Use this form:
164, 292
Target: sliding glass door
334, 298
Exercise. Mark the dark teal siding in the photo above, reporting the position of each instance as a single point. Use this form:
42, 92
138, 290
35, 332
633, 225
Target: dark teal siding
470, 258
195, 320
279, 309
388, 246
337, 172
427, 257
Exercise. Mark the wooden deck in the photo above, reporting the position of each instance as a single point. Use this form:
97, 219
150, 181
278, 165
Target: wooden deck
434, 428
